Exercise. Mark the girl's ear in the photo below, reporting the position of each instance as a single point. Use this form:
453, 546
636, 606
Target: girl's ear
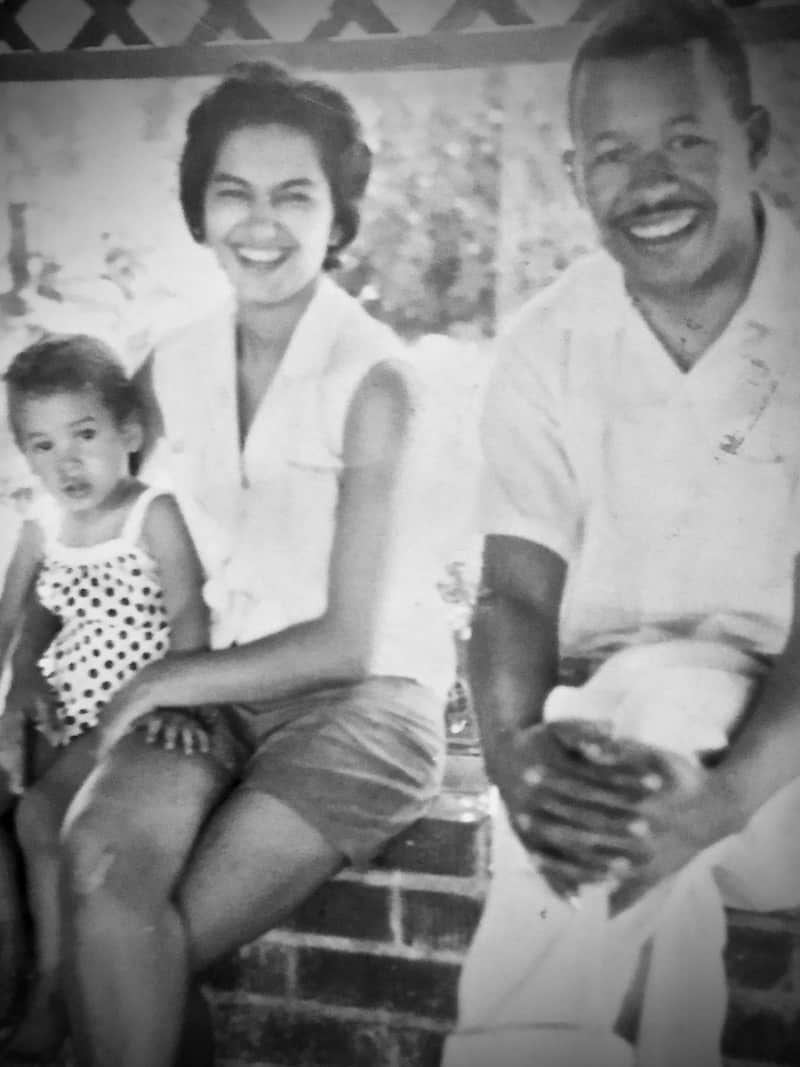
133, 435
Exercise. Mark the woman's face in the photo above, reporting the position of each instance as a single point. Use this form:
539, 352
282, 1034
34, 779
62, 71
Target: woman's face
268, 213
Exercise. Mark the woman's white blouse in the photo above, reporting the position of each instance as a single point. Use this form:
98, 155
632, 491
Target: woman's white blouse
263, 516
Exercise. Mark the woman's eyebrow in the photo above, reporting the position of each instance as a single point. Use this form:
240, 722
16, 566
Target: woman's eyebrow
306, 183
221, 176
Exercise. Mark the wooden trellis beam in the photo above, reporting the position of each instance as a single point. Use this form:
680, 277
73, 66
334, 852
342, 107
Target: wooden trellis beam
109, 17
221, 15
385, 51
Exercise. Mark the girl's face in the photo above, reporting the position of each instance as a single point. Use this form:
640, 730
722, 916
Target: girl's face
269, 214
76, 448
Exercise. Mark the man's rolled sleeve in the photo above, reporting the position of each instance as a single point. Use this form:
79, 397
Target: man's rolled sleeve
528, 488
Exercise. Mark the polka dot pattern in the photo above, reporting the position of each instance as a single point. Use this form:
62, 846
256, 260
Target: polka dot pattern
113, 622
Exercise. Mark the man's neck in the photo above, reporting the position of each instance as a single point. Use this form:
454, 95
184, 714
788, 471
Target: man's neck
688, 321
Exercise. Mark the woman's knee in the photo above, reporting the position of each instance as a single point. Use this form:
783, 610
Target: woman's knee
110, 858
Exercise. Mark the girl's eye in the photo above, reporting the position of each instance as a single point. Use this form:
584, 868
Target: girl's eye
42, 446
87, 434
609, 157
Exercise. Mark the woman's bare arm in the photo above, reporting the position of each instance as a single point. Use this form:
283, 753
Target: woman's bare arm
336, 646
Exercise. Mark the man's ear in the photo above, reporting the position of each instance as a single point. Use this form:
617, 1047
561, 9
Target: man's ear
568, 163
758, 126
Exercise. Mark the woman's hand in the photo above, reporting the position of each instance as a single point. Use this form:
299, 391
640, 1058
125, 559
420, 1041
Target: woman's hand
582, 814
179, 728
133, 702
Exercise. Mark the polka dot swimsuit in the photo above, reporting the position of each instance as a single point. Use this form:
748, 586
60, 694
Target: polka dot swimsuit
109, 600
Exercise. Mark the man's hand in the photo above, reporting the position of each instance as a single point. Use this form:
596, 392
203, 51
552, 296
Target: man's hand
582, 816
684, 817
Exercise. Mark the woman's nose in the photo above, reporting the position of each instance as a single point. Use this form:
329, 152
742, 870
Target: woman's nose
263, 214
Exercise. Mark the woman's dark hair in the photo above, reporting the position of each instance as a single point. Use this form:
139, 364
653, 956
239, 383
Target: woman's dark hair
633, 28
262, 93
70, 363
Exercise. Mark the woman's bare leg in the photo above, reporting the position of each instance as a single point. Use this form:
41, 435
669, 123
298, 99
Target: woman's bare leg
126, 841
255, 862
38, 820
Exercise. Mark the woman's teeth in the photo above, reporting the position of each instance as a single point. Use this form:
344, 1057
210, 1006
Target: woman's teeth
259, 255
663, 225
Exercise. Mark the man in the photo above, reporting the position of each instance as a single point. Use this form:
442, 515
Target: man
642, 462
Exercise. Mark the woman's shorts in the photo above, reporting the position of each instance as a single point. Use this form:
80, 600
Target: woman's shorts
359, 762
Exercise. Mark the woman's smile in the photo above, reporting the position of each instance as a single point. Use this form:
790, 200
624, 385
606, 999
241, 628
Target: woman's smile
250, 256
269, 213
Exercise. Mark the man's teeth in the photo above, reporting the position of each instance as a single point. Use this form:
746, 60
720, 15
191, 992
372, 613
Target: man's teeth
663, 225
260, 255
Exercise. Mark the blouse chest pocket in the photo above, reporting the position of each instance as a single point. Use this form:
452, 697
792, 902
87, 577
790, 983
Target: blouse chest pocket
312, 476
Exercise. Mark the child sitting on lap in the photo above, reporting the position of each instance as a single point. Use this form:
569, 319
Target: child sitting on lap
113, 562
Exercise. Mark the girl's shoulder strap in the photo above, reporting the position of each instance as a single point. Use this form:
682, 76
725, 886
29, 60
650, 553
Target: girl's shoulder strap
134, 520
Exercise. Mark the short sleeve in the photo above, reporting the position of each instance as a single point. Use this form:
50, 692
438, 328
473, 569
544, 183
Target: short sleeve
528, 488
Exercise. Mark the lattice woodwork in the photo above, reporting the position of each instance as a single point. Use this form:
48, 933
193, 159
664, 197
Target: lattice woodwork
128, 38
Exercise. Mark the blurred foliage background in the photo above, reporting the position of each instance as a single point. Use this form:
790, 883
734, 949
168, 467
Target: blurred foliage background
468, 213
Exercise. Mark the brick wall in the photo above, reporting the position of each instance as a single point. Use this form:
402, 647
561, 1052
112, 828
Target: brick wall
365, 974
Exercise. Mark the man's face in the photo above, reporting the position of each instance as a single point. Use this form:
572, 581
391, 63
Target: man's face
665, 167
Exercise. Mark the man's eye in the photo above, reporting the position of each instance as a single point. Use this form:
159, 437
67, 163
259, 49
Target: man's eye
685, 142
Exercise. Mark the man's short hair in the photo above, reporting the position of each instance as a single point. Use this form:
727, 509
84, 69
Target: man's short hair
633, 28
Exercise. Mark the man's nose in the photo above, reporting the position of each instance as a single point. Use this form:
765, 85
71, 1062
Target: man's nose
653, 176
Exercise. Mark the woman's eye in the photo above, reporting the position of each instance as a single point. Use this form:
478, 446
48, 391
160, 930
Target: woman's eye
294, 198
231, 193
87, 434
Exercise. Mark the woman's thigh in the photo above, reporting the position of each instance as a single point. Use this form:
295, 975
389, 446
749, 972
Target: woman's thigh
135, 819
335, 774
256, 860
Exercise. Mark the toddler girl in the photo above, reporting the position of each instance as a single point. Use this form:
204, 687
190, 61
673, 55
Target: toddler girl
112, 561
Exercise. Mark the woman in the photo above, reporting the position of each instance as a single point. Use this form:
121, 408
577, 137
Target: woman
286, 428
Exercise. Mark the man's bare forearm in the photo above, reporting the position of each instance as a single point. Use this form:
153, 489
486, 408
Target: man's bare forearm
513, 665
513, 657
